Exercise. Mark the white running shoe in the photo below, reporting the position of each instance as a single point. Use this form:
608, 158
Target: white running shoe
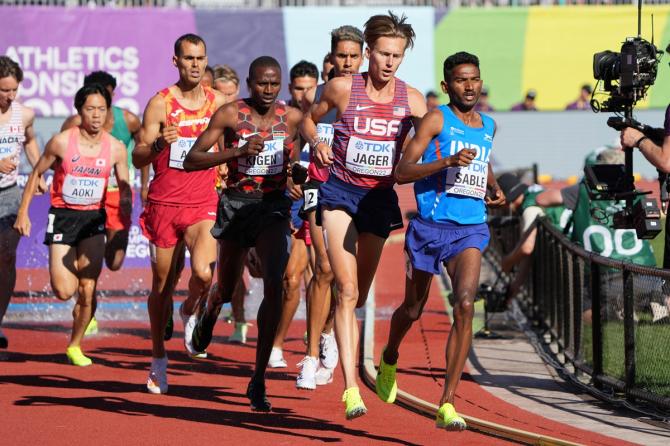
157, 380
324, 376
277, 359
239, 336
189, 322
328, 351
307, 377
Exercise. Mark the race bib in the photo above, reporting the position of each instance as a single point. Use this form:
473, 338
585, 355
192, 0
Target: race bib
311, 199
269, 162
6, 151
325, 132
469, 181
178, 151
373, 158
83, 191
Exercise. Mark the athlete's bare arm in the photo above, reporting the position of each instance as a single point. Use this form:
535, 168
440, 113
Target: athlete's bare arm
495, 196
199, 157
30, 145
293, 120
134, 127
409, 169
52, 152
336, 95
417, 105
154, 135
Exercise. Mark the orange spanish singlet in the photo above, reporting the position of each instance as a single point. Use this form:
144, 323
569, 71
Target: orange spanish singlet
171, 184
266, 172
80, 182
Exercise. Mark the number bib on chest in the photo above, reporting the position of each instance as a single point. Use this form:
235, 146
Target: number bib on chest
178, 151
469, 181
374, 158
83, 190
269, 162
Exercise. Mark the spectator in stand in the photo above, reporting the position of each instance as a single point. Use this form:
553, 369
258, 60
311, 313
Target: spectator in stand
483, 104
432, 100
582, 102
528, 103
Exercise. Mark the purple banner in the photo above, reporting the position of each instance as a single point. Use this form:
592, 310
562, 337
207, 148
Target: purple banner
57, 47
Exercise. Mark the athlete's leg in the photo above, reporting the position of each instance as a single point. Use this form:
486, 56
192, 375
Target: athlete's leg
164, 279
231, 267
295, 268
90, 253
9, 241
63, 270
273, 247
115, 248
202, 247
237, 301
464, 273
417, 287
369, 251
318, 291
341, 238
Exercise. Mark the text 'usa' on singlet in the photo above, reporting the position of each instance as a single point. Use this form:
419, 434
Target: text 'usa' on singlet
325, 132
80, 182
369, 136
171, 184
266, 172
456, 194
12, 138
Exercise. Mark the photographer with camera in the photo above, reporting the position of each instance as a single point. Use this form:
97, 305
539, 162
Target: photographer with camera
657, 152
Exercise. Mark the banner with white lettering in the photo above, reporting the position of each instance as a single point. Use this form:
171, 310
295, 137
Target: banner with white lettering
56, 48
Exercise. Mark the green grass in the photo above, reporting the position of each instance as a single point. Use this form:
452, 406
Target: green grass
652, 353
657, 244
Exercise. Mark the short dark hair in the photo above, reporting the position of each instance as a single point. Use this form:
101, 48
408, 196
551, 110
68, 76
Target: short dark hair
431, 94
101, 77
209, 70
459, 58
346, 33
190, 38
263, 62
10, 68
88, 90
304, 68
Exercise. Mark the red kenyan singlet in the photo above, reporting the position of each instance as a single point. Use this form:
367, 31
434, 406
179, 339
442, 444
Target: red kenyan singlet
265, 172
171, 184
80, 182
369, 136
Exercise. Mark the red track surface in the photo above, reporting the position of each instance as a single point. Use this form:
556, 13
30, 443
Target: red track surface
46, 401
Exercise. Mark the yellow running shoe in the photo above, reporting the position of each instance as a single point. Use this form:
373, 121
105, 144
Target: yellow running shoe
448, 419
92, 328
385, 383
354, 406
76, 357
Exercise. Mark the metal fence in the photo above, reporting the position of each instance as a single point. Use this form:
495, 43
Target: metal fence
607, 321
216, 4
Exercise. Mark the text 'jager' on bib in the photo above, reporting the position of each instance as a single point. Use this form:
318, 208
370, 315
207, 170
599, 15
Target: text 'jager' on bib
366, 157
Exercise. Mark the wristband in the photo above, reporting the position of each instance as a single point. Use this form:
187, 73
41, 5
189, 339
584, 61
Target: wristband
639, 141
156, 147
315, 142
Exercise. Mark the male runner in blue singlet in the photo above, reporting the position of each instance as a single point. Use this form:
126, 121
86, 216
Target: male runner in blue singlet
448, 160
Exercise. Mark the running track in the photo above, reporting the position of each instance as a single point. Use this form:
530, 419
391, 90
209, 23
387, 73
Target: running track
45, 400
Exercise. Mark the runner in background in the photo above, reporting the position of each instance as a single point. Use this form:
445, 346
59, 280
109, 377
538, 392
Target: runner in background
448, 160
181, 206
208, 77
358, 206
326, 68
346, 46
257, 136
304, 77
16, 134
82, 158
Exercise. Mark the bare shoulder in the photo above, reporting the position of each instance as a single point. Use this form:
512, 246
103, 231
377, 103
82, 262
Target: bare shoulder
156, 104
72, 121
132, 120
57, 145
417, 101
414, 94
338, 86
27, 115
227, 114
219, 98
293, 115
